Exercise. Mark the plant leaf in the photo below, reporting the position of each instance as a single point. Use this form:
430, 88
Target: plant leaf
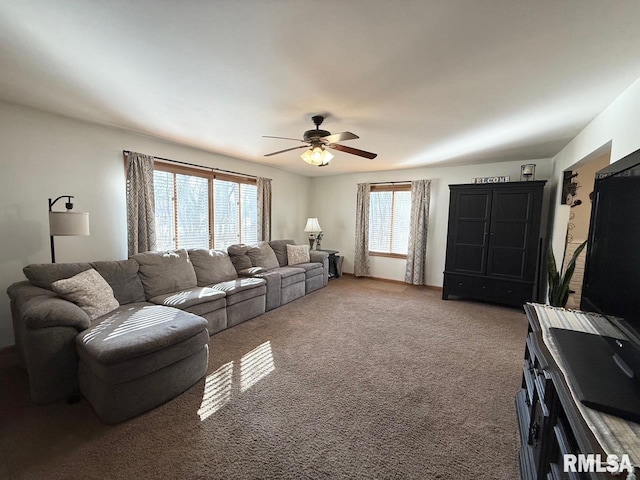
554, 277
559, 282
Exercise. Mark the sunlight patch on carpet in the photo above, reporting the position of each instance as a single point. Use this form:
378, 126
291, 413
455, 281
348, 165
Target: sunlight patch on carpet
217, 391
256, 365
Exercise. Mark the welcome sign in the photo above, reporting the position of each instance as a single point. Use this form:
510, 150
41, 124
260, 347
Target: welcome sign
502, 179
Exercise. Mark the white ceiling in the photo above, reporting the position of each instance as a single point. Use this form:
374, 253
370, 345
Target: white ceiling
421, 82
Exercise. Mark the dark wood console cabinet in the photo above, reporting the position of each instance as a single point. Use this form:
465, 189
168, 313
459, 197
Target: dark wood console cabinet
549, 420
493, 242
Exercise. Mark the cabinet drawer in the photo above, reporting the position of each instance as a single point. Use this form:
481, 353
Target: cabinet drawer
505, 291
462, 285
490, 289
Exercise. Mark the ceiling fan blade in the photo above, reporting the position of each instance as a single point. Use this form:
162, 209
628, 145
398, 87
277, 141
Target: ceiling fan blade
353, 151
284, 138
286, 150
339, 137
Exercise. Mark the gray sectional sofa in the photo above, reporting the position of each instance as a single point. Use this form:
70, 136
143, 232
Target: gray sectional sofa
154, 344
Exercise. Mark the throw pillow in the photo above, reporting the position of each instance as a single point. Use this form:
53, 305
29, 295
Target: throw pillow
89, 291
297, 254
262, 255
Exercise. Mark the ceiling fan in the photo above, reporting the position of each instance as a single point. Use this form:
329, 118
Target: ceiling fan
316, 140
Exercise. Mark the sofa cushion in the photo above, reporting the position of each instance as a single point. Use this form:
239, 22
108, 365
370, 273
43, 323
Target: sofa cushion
239, 257
290, 275
212, 266
44, 274
262, 255
297, 254
311, 269
188, 298
122, 276
165, 272
286, 272
292, 279
234, 287
280, 249
133, 368
252, 271
148, 328
242, 289
89, 291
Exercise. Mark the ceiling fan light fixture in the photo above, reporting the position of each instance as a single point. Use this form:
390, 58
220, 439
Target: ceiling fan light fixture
317, 156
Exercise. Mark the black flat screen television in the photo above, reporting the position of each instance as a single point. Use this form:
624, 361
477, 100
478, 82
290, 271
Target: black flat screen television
606, 369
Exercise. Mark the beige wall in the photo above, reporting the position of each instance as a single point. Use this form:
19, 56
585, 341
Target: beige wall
333, 201
616, 129
45, 155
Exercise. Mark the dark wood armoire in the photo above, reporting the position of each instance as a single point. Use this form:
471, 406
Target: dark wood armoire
493, 242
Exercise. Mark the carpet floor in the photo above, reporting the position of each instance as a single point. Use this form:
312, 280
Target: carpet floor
362, 379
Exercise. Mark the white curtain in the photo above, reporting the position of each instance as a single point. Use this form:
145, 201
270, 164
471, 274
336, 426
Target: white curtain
140, 204
264, 209
416, 271
361, 261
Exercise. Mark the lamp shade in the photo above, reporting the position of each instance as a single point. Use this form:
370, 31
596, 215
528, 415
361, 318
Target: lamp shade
528, 172
68, 223
312, 225
317, 156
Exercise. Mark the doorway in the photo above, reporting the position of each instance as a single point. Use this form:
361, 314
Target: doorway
583, 176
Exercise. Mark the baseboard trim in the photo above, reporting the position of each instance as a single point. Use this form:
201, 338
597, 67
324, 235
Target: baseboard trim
398, 282
8, 356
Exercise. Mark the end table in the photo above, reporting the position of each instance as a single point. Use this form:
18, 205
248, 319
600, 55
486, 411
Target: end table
333, 263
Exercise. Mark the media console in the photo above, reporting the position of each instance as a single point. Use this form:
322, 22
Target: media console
552, 422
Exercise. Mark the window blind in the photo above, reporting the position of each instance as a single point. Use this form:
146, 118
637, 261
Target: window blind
192, 198
249, 212
164, 211
389, 221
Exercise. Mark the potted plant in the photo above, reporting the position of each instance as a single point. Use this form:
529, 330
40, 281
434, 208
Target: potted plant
559, 280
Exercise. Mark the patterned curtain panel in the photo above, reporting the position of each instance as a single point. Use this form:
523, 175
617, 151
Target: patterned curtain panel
264, 209
140, 203
416, 271
361, 261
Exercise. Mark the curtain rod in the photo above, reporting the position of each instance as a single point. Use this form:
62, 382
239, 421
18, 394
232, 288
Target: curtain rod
127, 152
404, 182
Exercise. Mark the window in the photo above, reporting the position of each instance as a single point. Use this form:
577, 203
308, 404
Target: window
198, 209
235, 213
389, 220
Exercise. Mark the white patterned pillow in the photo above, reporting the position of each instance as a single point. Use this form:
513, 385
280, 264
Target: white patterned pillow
298, 254
90, 291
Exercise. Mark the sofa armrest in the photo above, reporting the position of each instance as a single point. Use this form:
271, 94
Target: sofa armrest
45, 327
323, 258
316, 256
55, 312
37, 307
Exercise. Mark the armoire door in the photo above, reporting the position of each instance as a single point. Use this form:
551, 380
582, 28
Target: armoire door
470, 222
510, 252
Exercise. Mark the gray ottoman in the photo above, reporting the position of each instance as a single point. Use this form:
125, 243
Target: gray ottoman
140, 356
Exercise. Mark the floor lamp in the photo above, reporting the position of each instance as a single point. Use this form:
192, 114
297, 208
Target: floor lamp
66, 224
